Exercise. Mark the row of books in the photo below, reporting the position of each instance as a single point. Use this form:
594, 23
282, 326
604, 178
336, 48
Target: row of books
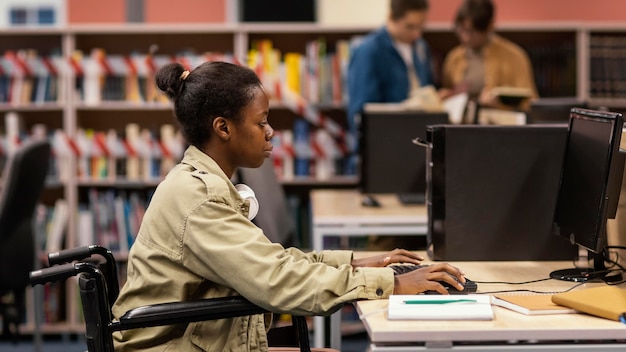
135, 154
310, 153
554, 68
104, 77
27, 77
319, 75
111, 218
607, 61
107, 217
144, 155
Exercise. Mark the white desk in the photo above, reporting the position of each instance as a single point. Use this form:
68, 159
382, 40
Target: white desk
340, 213
509, 330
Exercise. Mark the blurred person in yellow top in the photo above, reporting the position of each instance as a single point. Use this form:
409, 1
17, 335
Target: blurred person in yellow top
485, 60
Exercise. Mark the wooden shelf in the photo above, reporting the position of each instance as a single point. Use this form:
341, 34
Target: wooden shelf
5, 107
619, 103
120, 183
124, 106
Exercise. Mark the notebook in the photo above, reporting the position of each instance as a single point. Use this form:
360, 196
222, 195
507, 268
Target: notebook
440, 307
530, 304
606, 301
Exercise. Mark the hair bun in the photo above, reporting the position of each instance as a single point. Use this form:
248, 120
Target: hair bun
169, 79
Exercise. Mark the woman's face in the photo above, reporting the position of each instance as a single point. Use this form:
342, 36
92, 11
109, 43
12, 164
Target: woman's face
251, 137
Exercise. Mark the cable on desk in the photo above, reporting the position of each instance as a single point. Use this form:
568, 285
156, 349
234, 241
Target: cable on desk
533, 291
512, 283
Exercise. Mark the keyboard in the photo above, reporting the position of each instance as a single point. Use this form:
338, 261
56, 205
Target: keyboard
404, 268
470, 286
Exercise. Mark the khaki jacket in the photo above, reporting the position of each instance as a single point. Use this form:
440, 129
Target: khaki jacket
506, 64
195, 242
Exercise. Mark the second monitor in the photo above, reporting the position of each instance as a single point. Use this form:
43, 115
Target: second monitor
390, 162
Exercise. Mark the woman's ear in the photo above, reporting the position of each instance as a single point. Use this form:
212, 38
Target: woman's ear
221, 128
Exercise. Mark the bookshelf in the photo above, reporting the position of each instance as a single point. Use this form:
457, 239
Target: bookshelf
562, 54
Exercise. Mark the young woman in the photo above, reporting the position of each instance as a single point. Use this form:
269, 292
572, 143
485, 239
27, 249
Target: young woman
196, 240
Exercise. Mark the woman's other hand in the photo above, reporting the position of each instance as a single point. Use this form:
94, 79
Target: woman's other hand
382, 260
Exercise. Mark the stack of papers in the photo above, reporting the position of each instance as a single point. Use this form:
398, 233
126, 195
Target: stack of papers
440, 307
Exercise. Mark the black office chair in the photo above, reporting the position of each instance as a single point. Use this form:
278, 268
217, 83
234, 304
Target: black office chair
99, 289
24, 178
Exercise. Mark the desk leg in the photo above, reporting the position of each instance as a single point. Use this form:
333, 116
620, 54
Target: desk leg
319, 326
318, 332
318, 239
335, 330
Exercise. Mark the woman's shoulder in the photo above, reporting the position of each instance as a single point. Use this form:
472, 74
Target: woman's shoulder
186, 181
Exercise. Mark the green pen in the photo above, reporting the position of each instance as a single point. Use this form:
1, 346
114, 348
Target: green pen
440, 301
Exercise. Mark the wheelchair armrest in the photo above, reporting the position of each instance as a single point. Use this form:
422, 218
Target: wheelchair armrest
186, 312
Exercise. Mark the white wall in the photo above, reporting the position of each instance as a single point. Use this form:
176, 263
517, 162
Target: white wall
352, 12
6, 5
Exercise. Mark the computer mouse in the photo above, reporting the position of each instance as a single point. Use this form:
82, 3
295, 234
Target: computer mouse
470, 287
370, 201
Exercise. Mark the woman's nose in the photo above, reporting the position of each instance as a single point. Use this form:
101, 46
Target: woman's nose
269, 134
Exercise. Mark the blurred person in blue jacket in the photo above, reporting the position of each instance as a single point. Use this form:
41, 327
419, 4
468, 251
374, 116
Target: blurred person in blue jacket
390, 62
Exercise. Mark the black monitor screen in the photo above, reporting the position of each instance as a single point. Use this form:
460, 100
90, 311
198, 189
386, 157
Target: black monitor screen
390, 162
587, 195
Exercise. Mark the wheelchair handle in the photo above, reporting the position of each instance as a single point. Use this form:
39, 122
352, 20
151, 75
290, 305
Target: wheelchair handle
71, 254
51, 274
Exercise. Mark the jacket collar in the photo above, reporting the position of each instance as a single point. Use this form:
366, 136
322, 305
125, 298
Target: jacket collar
197, 159
200, 161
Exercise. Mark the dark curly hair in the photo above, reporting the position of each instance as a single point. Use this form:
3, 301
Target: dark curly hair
210, 90
479, 12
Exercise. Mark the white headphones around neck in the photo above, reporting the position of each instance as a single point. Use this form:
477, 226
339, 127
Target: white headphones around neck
248, 194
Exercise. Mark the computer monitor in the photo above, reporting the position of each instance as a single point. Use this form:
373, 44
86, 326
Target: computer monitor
390, 161
553, 110
590, 186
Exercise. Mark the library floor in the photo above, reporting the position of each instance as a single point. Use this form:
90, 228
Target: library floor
352, 343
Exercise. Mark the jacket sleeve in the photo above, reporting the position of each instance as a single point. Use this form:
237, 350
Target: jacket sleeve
333, 258
222, 246
363, 83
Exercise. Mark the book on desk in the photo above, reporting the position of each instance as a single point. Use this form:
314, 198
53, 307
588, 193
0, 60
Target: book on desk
530, 304
440, 307
605, 301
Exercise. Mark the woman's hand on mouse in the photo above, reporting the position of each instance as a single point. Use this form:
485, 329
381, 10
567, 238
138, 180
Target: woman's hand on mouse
427, 279
382, 260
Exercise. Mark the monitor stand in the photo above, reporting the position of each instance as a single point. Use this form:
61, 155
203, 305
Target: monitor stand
599, 271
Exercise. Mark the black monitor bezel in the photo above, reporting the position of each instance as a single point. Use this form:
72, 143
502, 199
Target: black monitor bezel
610, 192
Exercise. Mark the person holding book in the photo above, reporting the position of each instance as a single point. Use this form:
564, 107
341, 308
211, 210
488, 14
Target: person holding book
197, 241
484, 60
390, 62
